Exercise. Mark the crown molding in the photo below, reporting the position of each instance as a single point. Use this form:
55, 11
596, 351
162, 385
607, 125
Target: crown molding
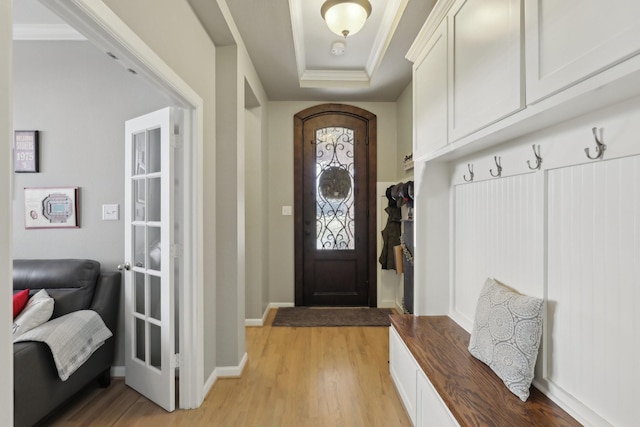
297, 27
334, 78
51, 32
390, 20
436, 16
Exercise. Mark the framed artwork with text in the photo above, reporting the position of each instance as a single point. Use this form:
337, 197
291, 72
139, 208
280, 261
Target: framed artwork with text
25, 151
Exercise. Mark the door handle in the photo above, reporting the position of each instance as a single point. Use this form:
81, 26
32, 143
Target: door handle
125, 266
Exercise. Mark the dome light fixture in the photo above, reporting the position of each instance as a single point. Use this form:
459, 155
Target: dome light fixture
345, 17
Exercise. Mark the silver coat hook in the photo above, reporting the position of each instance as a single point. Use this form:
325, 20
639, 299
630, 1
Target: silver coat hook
538, 158
498, 160
470, 167
600, 147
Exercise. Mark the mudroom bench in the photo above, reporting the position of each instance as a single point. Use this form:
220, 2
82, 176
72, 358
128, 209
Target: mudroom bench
442, 384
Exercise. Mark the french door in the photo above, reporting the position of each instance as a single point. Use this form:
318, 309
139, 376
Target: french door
149, 288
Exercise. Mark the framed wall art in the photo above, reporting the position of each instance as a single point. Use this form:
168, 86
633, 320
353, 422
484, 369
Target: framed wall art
51, 207
25, 151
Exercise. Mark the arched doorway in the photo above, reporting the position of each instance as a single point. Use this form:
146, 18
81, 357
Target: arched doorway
335, 188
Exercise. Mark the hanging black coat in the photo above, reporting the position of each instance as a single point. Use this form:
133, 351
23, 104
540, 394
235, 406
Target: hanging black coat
390, 236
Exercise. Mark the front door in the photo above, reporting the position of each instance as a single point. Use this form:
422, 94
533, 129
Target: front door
335, 175
149, 287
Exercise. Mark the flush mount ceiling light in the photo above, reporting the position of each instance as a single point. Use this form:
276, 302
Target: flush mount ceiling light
345, 17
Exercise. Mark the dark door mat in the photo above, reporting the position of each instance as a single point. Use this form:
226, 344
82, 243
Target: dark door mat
316, 316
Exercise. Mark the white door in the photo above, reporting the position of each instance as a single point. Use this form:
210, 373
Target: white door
149, 287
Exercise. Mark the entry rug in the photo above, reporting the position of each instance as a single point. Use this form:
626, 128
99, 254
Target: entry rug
316, 316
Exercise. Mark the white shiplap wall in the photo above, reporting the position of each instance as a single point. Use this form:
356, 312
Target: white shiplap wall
569, 232
499, 234
593, 323
570, 235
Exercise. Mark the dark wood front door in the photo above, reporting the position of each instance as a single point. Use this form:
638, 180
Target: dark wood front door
335, 234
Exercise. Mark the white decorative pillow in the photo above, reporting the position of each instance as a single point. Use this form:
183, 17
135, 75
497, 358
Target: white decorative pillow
38, 310
506, 335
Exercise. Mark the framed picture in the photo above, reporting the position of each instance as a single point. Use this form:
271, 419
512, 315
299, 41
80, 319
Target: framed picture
51, 207
25, 151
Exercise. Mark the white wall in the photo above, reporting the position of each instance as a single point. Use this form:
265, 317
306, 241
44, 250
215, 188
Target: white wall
78, 98
6, 173
280, 154
405, 146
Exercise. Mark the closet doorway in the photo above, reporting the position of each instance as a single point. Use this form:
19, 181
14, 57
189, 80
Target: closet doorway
335, 201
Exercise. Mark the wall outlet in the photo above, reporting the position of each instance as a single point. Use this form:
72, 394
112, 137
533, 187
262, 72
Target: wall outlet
286, 210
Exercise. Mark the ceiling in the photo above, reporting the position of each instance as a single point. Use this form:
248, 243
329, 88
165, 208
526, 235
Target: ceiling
290, 45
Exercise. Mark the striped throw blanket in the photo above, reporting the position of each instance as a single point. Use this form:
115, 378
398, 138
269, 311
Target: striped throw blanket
72, 338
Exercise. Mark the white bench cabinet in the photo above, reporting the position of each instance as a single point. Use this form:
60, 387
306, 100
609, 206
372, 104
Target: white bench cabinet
485, 63
430, 95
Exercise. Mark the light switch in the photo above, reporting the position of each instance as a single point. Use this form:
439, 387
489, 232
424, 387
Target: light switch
110, 212
286, 210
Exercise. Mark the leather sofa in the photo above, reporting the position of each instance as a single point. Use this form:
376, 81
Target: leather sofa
74, 284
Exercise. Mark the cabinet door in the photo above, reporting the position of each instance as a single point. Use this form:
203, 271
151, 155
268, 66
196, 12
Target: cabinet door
430, 95
403, 369
486, 63
570, 40
431, 410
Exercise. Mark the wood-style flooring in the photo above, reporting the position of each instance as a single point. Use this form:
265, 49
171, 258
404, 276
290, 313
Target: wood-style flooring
294, 377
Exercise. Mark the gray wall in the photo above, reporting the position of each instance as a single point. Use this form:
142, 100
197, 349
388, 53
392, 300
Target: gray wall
78, 98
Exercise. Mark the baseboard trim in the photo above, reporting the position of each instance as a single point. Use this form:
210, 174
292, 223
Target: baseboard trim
387, 304
232, 371
208, 385
260, 322
118, 372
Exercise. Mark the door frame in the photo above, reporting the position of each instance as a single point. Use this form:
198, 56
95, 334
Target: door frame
107, 31
371, 125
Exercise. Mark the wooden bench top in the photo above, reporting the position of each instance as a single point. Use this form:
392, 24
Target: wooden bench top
471, 390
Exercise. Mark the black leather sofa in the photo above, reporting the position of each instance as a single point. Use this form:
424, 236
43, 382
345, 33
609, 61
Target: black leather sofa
75, 284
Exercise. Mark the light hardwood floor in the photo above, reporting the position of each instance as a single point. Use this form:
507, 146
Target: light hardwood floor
294, 377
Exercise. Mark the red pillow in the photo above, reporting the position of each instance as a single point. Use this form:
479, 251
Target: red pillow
19, 301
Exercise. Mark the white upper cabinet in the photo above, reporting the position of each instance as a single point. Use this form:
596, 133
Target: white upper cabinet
568, 41
430, 95
485, 62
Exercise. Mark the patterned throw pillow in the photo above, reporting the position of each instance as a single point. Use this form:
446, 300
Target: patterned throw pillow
506, 335
38, 310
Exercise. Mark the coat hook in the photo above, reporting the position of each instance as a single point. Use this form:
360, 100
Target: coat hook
470, 167
498, 160
538, 158
600, 147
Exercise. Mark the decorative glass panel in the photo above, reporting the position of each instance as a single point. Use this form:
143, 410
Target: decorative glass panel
155, 346
154, 199
139, 199
139, 158
139, 287
140, 253
155, 297
139, 338
154, 150
335, 222
155, 248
